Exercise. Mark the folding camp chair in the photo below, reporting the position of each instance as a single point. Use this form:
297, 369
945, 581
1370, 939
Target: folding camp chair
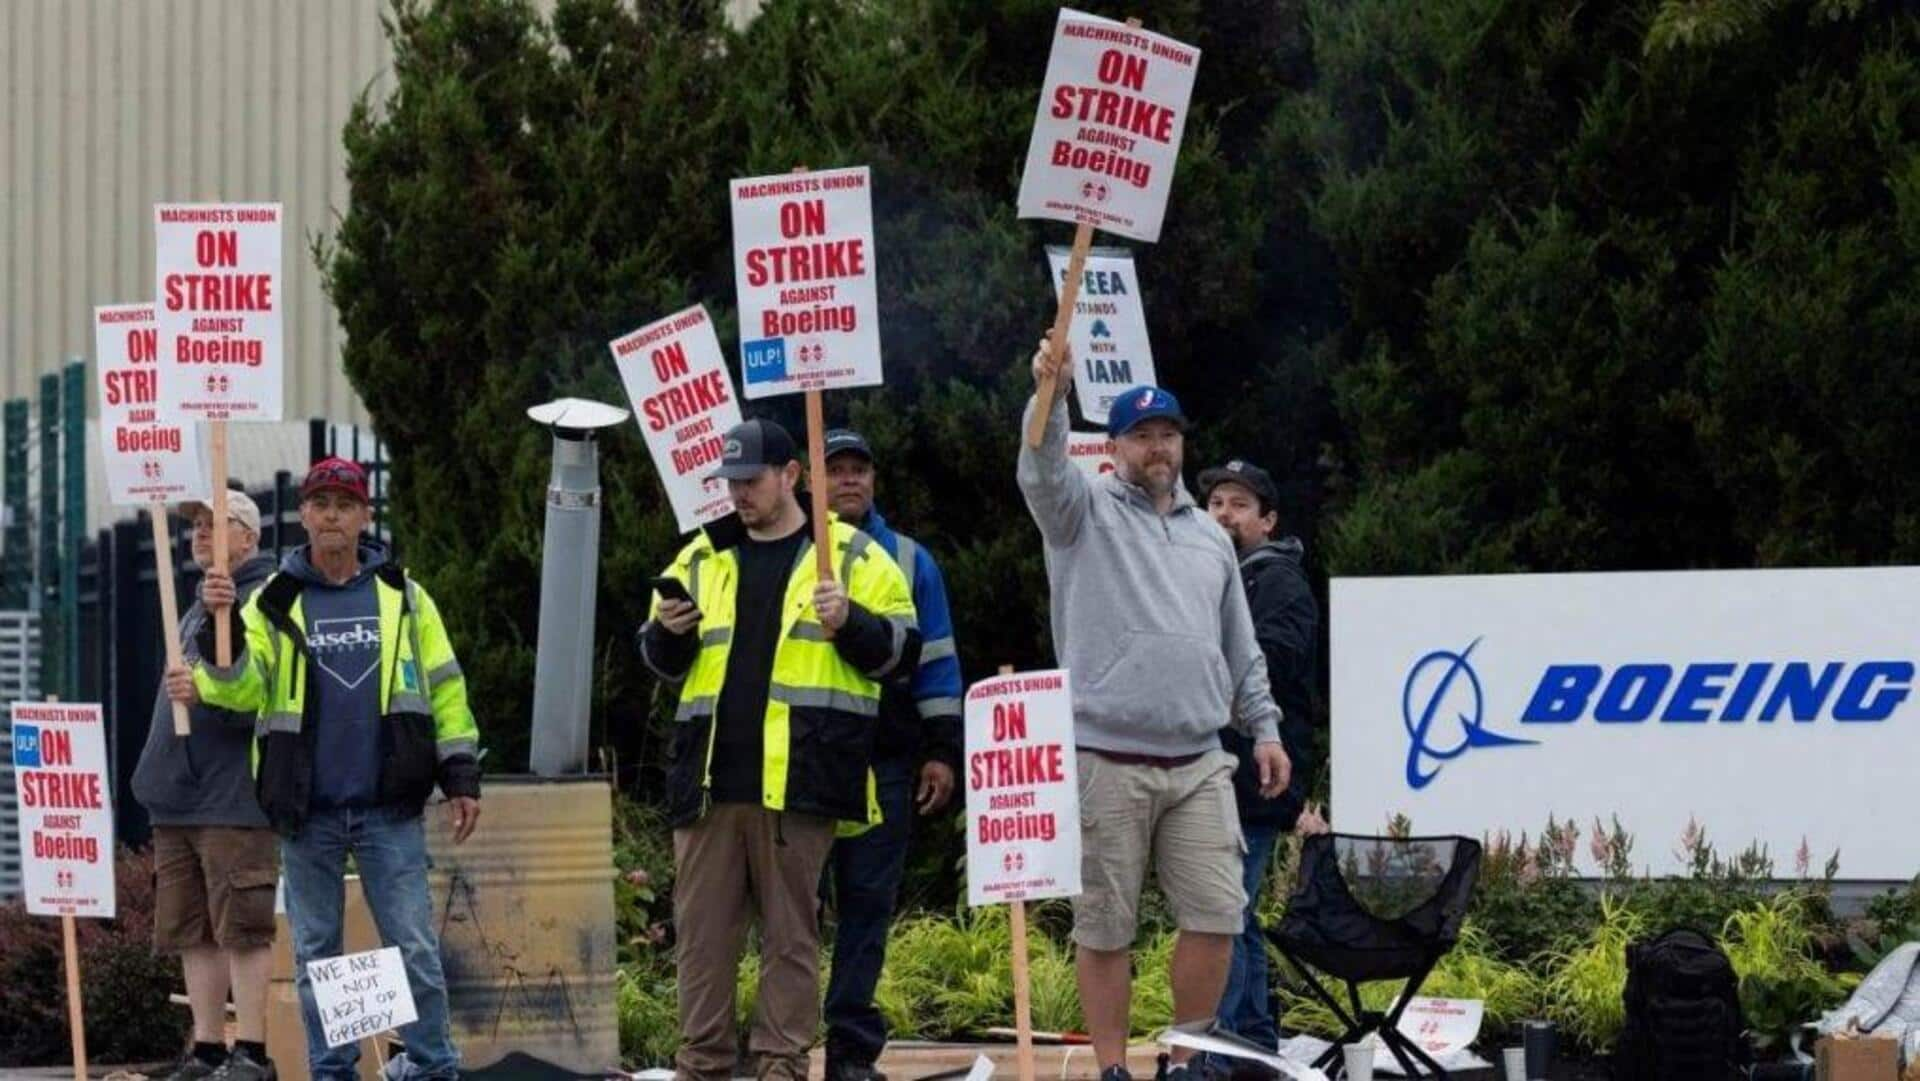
1376, 908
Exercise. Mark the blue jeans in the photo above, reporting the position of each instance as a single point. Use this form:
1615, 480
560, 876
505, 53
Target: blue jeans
864, 873
1246, 1007
390, 848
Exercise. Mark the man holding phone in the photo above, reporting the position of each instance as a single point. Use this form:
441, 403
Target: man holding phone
779, 672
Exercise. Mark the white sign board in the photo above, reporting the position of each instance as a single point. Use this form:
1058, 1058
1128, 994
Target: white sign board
1023, 794
1090, 452
1107, 132
683, 400
1442, 1026
146, 458
66, 809
361, 994
803, 264
1108, 332
1478, 704
220, 298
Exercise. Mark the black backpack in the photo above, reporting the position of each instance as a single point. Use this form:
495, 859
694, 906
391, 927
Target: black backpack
1683, 1012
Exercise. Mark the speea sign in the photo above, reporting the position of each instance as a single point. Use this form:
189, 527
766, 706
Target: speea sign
1476, 704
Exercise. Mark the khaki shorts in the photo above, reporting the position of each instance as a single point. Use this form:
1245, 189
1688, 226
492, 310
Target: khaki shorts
213, 887
1185, 820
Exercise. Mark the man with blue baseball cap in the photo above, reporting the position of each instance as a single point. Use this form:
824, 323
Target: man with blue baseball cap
1149, 614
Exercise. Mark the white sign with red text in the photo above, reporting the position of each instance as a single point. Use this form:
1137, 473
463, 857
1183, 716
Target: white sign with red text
1108, 332
683, 399
1091, 453
803, 265
1023, 794
66, 809
146, 458
1107, 132
220, 301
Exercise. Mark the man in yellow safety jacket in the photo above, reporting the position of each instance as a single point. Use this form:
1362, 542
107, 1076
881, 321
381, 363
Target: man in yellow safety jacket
360, 710
779, 673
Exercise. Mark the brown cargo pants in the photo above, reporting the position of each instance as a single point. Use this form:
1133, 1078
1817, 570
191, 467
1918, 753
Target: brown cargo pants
737, 860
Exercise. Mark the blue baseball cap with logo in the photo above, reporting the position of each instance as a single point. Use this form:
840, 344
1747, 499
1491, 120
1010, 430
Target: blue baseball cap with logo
1143, 403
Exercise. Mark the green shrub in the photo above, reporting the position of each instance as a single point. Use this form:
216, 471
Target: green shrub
1782, 985
124, 983
1583, 986
647, 1004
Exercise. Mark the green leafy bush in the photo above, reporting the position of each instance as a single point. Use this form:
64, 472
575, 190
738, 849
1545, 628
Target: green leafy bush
1782, 985
124, 983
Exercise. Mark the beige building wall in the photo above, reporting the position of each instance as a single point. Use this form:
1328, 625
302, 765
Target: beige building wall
113, 105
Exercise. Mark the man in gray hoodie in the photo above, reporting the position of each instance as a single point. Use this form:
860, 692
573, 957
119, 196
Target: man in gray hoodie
214, 856
1150, 617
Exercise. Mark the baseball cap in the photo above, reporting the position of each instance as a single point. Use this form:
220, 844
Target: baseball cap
337, 474
752, 446
848, 441
1143, 403
241, 510
1244, 473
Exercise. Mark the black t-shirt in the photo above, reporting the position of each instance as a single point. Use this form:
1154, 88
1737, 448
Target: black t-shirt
740, 719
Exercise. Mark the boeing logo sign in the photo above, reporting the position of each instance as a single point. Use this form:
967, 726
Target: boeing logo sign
1442, 681
1444, 708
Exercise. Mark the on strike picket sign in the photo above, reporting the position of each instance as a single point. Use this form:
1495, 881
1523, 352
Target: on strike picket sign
361, 994
1109, 329
1023, 795
803, 264
147, 458
66, 810
683, 400
1090, 452
1107, 132
219, 298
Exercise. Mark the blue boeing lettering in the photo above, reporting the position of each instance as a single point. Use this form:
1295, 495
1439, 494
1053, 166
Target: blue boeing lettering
1802, 691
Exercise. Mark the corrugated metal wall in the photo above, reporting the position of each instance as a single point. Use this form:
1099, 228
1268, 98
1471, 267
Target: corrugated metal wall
112, 106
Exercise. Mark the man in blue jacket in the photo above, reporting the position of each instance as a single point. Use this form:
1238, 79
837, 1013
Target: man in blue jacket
915, 760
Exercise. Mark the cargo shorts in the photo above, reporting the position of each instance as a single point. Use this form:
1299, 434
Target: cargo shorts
1184, 819
213, 886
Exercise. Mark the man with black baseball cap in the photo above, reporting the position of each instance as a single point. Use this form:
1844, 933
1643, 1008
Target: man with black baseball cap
1242, 497
779, 672
916, 758
1149, 614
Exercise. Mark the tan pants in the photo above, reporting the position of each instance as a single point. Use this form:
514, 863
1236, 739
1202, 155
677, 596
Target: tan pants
741, 859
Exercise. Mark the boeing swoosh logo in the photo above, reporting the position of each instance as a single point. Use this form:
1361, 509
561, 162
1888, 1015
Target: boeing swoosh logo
1441, 669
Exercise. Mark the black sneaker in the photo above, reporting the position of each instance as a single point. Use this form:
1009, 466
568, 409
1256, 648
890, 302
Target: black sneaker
191, 1068
847, 1070
242, 1066
1115, 1073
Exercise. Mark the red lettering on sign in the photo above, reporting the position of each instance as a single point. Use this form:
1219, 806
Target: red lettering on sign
805, 218
670, 362
807, 262
56, 747
1128, 71
1009, 721
221, 248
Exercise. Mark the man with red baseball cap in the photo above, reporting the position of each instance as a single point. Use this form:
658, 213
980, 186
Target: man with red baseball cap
363, 709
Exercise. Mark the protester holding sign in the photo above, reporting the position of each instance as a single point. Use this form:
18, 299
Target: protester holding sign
1242, 497
916, 757
779, 672
344, 641
215, 860
1149, 615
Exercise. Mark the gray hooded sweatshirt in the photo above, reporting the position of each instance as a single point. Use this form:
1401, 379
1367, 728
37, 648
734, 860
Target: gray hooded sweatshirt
1149, 614
206, 777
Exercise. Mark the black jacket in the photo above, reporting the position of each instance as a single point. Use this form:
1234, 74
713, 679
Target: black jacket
1286, 622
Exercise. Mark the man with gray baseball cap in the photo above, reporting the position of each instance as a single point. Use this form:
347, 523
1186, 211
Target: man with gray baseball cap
215, 856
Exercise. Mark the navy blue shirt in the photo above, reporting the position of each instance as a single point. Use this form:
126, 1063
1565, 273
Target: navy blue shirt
343, 674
